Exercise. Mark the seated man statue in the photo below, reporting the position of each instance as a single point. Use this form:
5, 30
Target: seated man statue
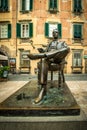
55, 53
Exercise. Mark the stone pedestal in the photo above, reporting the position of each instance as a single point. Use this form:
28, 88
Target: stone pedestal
57, 102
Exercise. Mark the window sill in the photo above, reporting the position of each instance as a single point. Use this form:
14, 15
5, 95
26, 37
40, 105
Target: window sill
25, 11
53, 10
4, 38
76, 67
77, 40
78, 12
4, 11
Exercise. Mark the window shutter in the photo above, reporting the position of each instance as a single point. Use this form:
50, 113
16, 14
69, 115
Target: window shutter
80, 31
18, 30
6, 4
23, 5
47, 29
30, 29
31, 4
50, 4
60, 30
9, 30
55, 4
1, 3
77, 5
77, 31
74, 5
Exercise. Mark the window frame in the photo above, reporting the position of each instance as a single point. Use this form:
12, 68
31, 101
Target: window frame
19, 29
59, 27
79, 27
24, 58
8, 31
79, 65
53, 9
4, 5
24, 6
24, 33
75, 9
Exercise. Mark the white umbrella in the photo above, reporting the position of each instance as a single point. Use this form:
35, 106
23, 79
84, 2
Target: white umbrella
2, 57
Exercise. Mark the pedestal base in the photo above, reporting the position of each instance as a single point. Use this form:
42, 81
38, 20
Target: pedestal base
57, 102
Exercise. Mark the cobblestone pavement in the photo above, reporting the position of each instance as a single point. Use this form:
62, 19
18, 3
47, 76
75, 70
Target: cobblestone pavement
76, 82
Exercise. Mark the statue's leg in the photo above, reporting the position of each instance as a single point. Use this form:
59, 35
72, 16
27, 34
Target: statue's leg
63, 76
42, 72
42, 79
59, 80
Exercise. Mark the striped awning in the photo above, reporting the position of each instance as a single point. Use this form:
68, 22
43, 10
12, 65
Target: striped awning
2, 57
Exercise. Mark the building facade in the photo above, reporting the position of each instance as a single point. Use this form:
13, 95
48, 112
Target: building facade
26, 25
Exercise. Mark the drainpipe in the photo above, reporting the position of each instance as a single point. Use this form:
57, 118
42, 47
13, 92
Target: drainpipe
16, 22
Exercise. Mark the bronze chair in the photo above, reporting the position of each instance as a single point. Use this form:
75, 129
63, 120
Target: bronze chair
60, 68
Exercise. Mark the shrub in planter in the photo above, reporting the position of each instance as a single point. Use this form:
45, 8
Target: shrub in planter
4, 71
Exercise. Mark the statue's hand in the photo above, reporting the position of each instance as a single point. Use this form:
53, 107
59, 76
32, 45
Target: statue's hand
36, 56
31, 56
41, 50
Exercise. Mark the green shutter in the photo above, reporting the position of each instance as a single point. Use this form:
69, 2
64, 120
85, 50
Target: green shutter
77, 31
55, 4
1, 1
50, 4
30, 29
60, 30
18, 30
9, 30
31, 4
80, 31
77, 5
23, 5
6, 4
47, 29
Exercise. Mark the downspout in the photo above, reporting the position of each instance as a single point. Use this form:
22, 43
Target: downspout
16, 23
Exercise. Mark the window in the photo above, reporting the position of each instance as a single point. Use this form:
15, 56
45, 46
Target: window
53, 5
77, 31
5, 31
49, 29
77, 5
3, 5
26, 5
24, 30
24, 60
77, 58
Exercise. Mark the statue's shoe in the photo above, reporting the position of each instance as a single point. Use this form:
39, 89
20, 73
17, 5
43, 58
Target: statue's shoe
40, 97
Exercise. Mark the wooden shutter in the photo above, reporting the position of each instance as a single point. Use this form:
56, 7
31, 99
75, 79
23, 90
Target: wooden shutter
77, 31
50, 4
30, 29
9, 30
6, 4
23, 5
31, 4
77, 5
18, 30
55, 4
47, 29
60, 30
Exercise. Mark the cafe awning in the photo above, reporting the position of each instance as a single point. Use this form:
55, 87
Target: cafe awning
2, 57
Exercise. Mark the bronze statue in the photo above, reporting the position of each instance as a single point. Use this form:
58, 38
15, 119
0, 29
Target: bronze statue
52, 58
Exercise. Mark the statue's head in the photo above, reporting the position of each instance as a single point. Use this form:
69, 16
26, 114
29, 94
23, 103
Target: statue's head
55, 33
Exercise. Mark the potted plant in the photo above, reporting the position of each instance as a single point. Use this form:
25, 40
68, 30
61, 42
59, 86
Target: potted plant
4, 71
